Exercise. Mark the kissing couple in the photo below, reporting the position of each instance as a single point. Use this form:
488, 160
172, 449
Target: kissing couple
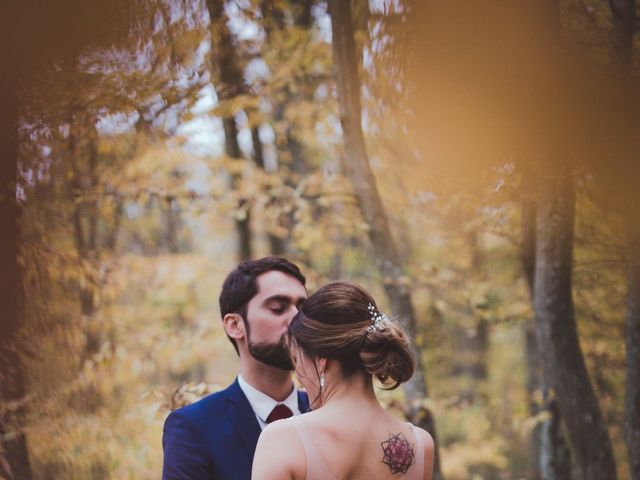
262, 427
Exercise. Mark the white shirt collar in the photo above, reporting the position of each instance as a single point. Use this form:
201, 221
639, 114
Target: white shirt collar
262, 404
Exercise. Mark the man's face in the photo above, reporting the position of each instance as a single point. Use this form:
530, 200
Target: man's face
269, 314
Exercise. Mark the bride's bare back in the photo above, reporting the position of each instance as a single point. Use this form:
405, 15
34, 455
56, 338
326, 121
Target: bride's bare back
348, 438
339, 341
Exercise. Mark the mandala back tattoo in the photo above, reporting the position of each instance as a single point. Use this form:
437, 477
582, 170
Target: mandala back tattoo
399, 454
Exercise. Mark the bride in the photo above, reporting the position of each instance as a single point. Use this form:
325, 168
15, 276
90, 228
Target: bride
338, 342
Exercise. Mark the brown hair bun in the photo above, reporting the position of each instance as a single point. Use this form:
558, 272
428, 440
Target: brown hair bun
337, 322
386, 354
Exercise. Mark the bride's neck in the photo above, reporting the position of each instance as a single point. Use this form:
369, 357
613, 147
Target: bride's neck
357, 388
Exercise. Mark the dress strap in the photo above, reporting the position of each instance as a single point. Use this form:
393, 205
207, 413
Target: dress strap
317, 469
418, 467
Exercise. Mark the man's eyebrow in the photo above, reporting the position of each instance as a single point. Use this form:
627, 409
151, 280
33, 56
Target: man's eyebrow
284, 299
278, 298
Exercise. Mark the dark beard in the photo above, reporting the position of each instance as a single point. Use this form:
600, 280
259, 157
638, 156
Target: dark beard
274, 354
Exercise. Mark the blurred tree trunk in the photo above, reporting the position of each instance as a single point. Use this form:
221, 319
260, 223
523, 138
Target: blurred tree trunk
632, 337
302, 19
549, 454
229, 83
624, 20
290, 150
357, 169
470, 335
276, 243
554, 455
533, 385
556, 331
25, 51
116, 219
528, 221
243, 213
173, 220
14, 455
85, 218
258, 156
553, 458
172, 224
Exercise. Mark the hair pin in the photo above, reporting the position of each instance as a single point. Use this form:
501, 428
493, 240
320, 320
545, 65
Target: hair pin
378, 320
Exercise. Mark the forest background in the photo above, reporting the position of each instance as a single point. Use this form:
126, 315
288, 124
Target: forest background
473, 165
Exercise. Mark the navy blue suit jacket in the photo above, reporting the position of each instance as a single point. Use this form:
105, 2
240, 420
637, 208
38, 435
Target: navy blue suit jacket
213, 438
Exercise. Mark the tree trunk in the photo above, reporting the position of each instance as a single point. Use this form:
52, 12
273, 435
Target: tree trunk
229, 83
276, 243
632, 337
556, 330
258, 156
85, 235
357, 169
22, 52
528, 213
548, 452
14, 456
471, 334
533, 384
243, 217
624, 19
290, 150
172, 224
555, 458
554, 461
534, 373
118, 211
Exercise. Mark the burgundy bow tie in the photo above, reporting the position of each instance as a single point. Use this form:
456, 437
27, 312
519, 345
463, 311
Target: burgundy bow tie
279, 411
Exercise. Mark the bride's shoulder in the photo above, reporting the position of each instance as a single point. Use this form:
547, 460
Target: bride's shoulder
429, 451
279, 428
281, 431
425, 436
279, 453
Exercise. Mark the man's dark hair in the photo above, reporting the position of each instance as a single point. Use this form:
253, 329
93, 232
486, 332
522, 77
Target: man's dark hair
241, 285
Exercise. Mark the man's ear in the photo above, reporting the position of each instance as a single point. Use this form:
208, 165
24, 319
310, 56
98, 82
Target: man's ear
234, 325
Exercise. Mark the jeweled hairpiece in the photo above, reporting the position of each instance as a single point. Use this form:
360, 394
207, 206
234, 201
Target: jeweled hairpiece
378, 320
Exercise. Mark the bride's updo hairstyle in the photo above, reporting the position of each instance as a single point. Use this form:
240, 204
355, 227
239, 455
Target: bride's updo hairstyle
341, 322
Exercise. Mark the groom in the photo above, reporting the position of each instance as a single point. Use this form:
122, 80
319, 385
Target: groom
215, 438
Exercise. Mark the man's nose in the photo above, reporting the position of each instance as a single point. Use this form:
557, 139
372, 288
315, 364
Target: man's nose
294, 312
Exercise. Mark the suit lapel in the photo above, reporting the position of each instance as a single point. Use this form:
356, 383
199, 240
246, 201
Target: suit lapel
303, 402
243, 418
